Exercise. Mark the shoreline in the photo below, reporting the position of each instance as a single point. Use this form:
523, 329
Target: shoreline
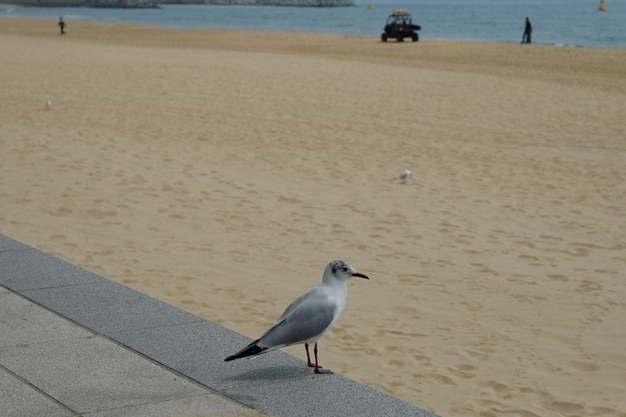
376, 37
468, 54
220, 172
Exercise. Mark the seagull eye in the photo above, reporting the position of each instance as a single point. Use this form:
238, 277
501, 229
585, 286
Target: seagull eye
345, 269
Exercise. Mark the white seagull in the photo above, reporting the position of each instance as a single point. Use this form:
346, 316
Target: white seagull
48, 104
404, 176
308, 317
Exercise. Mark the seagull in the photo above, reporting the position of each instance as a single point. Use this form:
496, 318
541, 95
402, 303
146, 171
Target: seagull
307, 318
48, 104
404, 176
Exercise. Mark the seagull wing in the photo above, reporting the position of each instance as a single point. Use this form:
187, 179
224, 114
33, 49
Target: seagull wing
308, 317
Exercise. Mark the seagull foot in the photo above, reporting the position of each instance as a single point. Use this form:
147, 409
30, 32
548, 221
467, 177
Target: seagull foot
318, 369
322, 371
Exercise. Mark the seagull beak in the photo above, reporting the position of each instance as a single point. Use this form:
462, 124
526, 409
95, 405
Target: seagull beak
356, 274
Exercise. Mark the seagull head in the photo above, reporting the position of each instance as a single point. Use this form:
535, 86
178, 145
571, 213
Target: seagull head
340, 271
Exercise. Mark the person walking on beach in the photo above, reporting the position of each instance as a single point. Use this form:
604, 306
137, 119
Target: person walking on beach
528, 29
62, 25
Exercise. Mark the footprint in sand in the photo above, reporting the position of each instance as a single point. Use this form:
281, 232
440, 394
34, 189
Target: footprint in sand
60, 211
584, 366
557, 277
499, 389
463, 370
441, 379
405, 311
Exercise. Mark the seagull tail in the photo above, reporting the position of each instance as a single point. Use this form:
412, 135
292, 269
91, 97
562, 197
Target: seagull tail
251, 350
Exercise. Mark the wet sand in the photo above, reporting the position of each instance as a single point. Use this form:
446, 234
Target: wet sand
220, 171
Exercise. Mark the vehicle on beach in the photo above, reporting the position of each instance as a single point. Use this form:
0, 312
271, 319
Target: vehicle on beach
399, 26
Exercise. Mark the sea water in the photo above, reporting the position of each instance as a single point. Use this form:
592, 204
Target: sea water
555, 22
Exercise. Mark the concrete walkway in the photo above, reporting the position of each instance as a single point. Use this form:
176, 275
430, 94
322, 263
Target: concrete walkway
74, 343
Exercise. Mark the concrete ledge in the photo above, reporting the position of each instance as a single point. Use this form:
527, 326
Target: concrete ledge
277, 383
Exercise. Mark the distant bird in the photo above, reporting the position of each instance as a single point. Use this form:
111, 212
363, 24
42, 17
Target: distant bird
308, 317
48, 104
404, 176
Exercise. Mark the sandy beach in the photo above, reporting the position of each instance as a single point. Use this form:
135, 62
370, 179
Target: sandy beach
220, 171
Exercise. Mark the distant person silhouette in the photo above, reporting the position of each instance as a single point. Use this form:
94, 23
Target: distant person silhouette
528, 29
62, 25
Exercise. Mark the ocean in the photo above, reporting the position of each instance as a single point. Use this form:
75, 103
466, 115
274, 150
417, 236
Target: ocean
574, 23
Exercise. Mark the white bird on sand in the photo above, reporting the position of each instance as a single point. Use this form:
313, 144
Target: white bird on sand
404, 176
308, 317
48, 104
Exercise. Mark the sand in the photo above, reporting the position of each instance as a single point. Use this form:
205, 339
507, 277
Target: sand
220, 171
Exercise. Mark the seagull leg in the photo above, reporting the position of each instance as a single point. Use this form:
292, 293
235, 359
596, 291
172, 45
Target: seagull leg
319, 369
308, 357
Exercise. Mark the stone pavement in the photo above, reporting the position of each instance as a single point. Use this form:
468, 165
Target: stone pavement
73, 343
